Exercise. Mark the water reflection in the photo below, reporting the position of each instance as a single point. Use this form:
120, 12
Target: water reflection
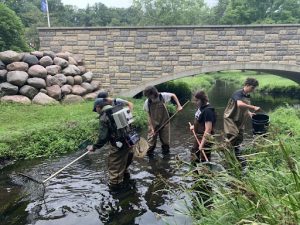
80, 194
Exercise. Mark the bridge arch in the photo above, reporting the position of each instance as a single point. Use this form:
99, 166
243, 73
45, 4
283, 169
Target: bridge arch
291, 72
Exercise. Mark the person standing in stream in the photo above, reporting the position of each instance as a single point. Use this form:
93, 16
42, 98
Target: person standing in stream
236, 113
155, 106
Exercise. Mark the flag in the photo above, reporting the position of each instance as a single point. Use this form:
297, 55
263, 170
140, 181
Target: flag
44, 6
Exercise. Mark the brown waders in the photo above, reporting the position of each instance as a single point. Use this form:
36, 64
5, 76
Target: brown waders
234, 124
158, 114
196, 154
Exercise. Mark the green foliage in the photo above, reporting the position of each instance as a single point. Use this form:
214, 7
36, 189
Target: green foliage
11, 31
181, 89
197, 83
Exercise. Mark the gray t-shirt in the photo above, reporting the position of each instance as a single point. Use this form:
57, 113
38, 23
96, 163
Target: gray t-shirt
166, 96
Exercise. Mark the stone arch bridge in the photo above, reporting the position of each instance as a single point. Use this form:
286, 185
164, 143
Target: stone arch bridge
127, 59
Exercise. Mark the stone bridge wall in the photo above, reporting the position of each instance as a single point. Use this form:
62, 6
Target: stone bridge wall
126, 59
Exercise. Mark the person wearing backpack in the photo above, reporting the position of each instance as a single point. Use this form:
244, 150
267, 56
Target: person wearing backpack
204, 124
120, 154
155, 106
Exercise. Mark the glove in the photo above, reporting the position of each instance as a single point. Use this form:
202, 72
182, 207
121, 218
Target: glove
90, 148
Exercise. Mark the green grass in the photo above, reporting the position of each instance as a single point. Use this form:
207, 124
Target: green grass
31, 131
199, 82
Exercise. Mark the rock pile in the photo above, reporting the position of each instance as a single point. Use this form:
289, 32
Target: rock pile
45, 78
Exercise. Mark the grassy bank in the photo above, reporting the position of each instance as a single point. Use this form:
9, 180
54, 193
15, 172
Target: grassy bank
268, 193
45, 131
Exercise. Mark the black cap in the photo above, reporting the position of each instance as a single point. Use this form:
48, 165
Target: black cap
102, 94
99, 102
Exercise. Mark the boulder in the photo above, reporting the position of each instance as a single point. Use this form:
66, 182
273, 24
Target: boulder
20, 66
43, 99
82, 69
29, 91
9, 56
18, 78
79, 59
87, 77
54, 92
71, 70
91, 96
8, 89
37, 71
38, 54
51, 80
63, 55
30, 59
72, 61
72, 99
66, 89
87, 86
95, 84
77, 80
46, 61
60, 62
50, 53
62, 79
44, 91
78, 90
53, 69
70, 80
37, 82
16, 99
3, 74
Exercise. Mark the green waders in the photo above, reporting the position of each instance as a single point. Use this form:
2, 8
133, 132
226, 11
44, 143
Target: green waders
159, 115
234, 125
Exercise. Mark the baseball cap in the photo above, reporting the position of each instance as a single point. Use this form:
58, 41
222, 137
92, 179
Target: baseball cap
99, 102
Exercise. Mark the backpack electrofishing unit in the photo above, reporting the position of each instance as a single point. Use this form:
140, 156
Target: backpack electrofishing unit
121, 120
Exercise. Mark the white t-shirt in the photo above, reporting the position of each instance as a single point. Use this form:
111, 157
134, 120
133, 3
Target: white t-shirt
166, 96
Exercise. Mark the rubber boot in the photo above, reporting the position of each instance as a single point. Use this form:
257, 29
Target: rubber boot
150, 151
165, 149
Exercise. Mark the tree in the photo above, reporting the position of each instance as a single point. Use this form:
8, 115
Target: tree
11, 31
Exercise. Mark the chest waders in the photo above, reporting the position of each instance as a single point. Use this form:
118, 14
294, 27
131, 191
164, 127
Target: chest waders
234, 125
158, 114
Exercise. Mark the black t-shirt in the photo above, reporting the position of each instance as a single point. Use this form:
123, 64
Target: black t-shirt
206, 114
239, 95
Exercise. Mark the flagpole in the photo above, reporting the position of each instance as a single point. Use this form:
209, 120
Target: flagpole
48, 17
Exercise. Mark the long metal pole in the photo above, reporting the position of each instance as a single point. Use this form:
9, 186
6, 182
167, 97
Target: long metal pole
202, 150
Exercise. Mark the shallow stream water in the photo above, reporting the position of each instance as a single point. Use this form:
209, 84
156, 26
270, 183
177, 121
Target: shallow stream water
80, 194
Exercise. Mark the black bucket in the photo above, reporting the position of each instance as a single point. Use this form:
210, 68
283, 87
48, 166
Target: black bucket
260, 123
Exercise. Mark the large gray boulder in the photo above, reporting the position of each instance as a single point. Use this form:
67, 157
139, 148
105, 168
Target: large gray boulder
9, 56
79, 59
46, 61
63, 55
54, 92
72, 61
16, 99
71, 70
30, 59
38, 54
66, 89
29, 91
51, 80
82, 69
53, 69
3, 74
78, 90
70, 80
20, 66
37, 71
17, 77
91, 96
87, 77
95, 84
49, 53
43, 99
8, 89
72, 99
37, 82
87, 86
60, 62
77, 80
62, 79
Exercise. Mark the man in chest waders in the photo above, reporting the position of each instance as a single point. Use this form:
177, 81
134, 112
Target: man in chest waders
157, 117
235, 115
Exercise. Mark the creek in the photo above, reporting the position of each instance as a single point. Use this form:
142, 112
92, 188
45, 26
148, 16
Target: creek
80, 194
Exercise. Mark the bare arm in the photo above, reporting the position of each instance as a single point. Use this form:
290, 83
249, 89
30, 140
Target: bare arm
207, 133
244, 105
179, 107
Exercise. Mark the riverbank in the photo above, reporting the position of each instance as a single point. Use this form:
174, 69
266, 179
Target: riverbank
35, 131
268, 192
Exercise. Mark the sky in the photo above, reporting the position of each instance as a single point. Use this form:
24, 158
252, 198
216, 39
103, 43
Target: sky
112, 3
